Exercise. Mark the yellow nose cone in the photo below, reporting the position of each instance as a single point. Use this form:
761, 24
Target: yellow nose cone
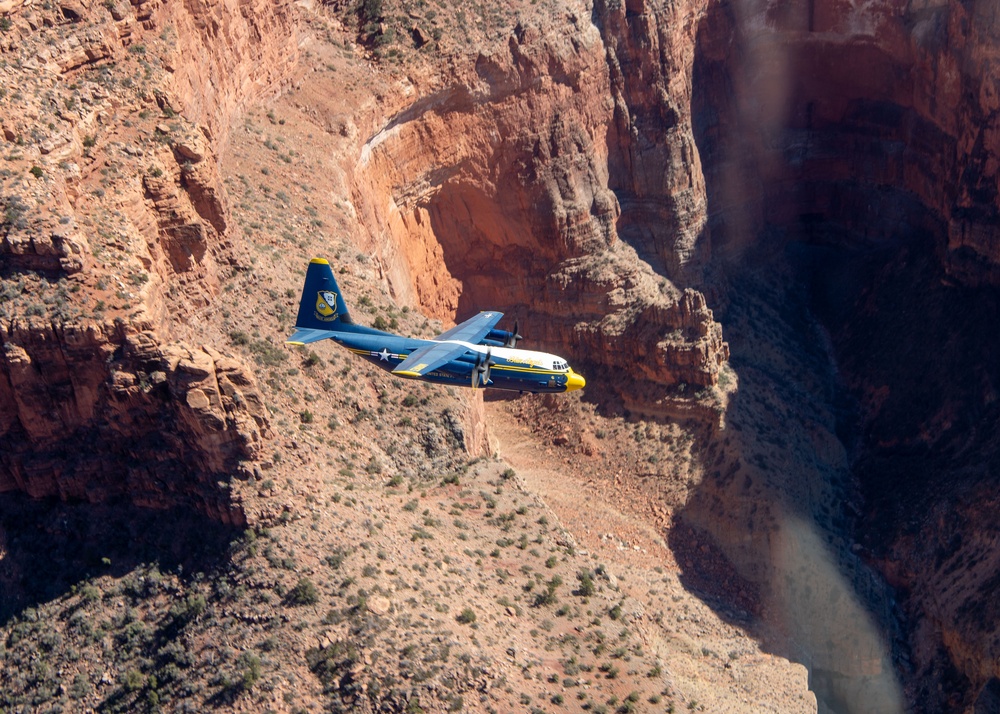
575, 381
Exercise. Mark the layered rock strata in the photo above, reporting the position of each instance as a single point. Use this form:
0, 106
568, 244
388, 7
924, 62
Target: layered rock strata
860, 139
879, 116
119, 227
100, 410
503, 188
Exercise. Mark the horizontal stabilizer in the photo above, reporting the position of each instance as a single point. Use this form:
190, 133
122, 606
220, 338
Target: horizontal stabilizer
307, 335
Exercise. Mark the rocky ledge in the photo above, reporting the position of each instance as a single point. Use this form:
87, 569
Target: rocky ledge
97, 410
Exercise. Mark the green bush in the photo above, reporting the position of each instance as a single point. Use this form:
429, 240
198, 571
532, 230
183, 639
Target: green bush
252, 670
133, 680
304, 593
188, 609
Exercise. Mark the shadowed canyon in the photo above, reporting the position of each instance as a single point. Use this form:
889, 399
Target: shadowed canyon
765, 231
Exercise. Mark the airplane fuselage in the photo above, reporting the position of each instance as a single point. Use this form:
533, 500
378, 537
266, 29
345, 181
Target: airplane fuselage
513, 369
473, 353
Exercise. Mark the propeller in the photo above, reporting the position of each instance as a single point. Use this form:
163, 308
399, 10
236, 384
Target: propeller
481, 372
513, 337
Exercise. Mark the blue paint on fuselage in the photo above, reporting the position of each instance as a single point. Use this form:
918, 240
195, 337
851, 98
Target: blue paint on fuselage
386, 351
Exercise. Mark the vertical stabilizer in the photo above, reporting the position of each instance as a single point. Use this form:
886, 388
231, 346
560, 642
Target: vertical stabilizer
322, 306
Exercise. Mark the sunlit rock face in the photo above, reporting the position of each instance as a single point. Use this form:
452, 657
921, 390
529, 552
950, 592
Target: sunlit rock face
514, 186
97, 399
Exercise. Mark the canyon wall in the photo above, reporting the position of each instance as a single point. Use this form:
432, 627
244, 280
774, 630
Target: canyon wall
879, 116
94, 411
119, 231
654, 166
594, 172
503, 188
856, 144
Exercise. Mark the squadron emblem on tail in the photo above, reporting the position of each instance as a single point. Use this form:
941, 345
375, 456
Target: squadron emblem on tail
326, 305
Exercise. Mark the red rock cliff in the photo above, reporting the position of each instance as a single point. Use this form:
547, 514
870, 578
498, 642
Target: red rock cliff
502, 188
93, 411
120, 228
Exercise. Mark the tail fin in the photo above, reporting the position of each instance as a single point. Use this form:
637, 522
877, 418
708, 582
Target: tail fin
322, 306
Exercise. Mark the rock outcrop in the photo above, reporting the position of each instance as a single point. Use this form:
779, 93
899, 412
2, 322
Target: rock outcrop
114, 226
654, 166
98, 410
226, 53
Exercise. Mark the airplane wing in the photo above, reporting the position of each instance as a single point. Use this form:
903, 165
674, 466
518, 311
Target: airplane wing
472, 330
438, 353
429, 358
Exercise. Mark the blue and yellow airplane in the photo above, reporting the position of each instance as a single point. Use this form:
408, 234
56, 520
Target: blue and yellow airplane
470, 354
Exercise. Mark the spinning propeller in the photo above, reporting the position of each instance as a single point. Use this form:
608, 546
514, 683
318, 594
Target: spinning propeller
481, 372
513, 337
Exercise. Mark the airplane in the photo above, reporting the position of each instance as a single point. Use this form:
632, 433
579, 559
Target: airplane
472, 354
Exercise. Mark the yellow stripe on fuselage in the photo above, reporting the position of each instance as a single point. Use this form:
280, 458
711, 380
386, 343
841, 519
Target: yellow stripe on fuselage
529, 370
501, 367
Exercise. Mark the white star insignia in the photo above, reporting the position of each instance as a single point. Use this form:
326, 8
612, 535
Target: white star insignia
384, 355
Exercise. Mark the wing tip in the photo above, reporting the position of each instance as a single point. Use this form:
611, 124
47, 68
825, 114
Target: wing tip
407, 373
294, 342
320, 261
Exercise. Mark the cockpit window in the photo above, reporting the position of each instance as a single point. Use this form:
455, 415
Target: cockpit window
560, 366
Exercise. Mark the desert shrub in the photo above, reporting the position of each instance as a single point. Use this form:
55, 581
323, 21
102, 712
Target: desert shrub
304, 593
188, 609
251, 670
332, 663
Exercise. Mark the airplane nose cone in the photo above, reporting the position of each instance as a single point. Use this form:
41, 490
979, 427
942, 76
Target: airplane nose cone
575, 381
